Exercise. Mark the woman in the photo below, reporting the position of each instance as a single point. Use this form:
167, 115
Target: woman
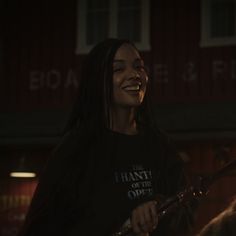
113, 161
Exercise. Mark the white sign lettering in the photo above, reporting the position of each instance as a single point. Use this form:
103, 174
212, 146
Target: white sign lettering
218, 69
233, 70
51, 79
161, 73
190, 73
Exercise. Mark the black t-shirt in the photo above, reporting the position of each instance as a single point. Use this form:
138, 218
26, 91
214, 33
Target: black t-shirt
140, 167
97, 182
135, 165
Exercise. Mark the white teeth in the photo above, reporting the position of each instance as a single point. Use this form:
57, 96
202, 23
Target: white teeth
132, 88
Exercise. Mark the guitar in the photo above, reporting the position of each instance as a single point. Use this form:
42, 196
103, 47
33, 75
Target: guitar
195, 191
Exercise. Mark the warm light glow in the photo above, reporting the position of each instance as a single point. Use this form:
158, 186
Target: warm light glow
23, 174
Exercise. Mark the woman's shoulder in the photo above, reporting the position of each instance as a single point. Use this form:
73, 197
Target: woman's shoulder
67, 150
67, 155
166, 145
70, 142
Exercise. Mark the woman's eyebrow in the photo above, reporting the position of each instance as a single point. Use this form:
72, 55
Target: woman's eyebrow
117, 61
138, 60
120, 60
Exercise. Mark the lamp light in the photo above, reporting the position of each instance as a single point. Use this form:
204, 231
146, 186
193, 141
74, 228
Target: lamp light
22, 171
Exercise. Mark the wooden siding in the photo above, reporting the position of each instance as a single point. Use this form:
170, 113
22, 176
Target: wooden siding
39, 56
184, 72
41, 69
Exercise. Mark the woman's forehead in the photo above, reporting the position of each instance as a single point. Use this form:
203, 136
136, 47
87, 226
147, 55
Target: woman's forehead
126, 51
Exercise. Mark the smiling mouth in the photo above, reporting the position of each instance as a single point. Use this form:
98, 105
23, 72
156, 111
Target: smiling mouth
135, 88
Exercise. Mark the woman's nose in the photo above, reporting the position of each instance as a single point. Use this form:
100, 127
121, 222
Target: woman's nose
134, 75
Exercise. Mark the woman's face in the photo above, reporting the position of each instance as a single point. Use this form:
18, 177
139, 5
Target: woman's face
129, 77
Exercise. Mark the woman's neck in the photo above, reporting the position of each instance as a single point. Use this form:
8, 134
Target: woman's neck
123, 121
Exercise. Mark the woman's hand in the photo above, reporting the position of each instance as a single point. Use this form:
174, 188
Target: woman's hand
144, 218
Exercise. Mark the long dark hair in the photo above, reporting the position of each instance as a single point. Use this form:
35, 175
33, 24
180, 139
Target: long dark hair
91, 109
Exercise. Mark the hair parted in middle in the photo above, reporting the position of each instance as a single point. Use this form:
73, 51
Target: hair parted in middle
95, 91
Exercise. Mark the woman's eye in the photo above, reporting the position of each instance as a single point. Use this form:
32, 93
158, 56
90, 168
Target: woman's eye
141, 68
119, 69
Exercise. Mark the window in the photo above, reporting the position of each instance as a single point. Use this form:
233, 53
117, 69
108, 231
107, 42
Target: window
100, 19
218, 26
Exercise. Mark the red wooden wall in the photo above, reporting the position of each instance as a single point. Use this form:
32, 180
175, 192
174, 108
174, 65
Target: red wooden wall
15, 198
40, 65
183, 71
41, 69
